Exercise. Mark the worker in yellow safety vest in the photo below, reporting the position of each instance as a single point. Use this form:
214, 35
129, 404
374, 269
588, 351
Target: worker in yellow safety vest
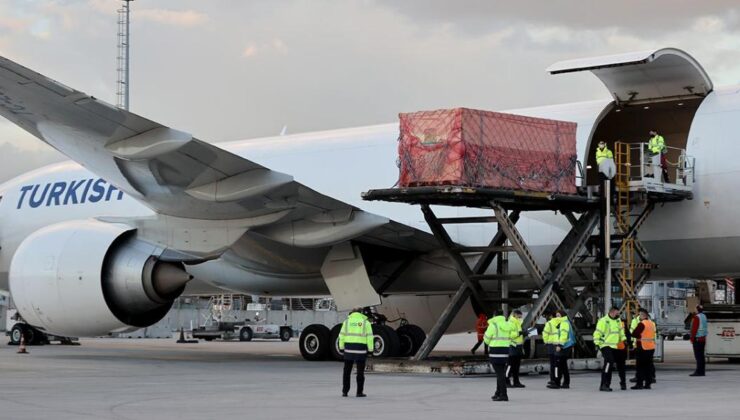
516, 351
498, 338
620, 357
550, 335
603, 152
562, 373
607, 336
656, 147
644, 334
356, 341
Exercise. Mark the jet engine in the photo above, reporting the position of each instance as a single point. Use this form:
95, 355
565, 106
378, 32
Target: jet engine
89, 278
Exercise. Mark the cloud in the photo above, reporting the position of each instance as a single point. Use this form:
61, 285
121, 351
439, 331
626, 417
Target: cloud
276, 45
17, 160
187, 18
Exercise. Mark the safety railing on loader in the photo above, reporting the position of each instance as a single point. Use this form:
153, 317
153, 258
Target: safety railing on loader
646, 171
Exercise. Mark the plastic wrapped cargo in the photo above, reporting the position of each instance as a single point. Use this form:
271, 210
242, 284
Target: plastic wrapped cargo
469, 147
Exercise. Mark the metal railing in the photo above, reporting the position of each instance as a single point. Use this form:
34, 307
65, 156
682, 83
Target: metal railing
680, 166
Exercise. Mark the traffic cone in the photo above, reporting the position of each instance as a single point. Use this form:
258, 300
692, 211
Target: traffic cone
22, 347
182, 336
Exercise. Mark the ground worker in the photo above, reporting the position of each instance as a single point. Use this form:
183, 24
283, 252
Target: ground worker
480, 328
620, 357
498, 338
516, 351
562, 349
607, 336
603, 152
549, 337
635, 322
356, 342
699, 340
644, 335
657, 148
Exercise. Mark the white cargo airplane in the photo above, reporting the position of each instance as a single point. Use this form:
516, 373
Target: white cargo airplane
143, 212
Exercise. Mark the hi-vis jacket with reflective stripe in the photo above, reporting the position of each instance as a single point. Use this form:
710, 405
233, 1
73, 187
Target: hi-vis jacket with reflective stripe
602, 154
657, 144
609, 332
516, 324
550, 333
647, 336
500, 333
356, 335
563, 331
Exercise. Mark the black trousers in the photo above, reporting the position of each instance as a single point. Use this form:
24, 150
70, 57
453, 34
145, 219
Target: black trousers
644, 367
620, 360
609, 363
346, 377
553, 362
699, 356
562, 373
500, 369
512, 371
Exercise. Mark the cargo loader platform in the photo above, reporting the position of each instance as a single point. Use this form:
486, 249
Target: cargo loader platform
477, 159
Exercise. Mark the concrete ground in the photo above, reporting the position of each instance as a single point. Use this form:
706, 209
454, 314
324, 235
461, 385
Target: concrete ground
159, 379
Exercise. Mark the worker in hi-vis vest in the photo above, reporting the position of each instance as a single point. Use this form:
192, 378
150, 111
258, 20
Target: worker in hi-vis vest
635, 322
498, 338
699, 339
644, 334
620, 357
657, 149
607, 336
603, 152
550, 335
516, 351
356, 341
562, 350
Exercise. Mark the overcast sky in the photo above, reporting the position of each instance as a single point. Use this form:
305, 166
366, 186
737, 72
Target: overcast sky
233, 69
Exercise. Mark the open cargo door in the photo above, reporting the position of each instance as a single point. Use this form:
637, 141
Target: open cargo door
646, 76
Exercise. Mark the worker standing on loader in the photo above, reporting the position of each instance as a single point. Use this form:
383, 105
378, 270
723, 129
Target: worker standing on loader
603, 152
656, 146
607, 336
498, 338
356, 341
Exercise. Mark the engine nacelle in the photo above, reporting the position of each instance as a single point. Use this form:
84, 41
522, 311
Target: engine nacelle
89, 278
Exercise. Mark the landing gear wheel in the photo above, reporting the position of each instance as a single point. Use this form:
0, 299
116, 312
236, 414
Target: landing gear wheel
246, 334
16, 333
334, 353
314, 342
386, 341
411, 338
286, 333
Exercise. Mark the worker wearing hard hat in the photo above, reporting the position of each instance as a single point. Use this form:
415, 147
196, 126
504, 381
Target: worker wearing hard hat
356, 341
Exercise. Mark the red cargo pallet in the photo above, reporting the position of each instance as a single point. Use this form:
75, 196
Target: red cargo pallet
475, 148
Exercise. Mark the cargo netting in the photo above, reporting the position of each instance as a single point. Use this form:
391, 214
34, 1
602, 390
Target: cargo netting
475, 148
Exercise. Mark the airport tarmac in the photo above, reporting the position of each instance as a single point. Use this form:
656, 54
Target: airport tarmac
157, 378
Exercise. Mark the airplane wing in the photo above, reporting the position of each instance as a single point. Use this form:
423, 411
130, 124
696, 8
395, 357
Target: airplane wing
183, 178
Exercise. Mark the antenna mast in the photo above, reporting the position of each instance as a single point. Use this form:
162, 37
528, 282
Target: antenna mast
124, 21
